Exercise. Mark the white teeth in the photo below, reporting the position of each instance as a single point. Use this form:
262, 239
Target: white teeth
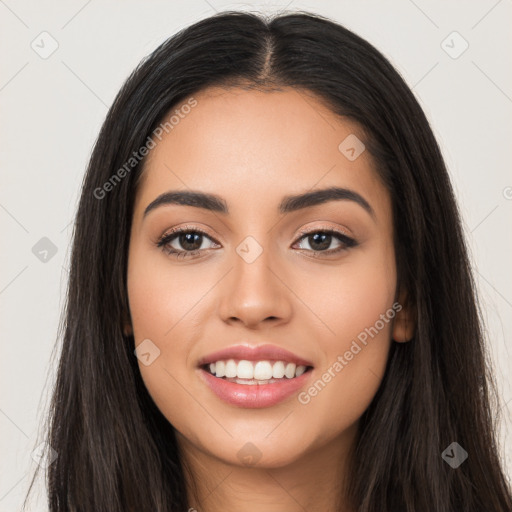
253, 382
278, 370
245, 370
261, 371
289, 371
220, 368
300, 370
231, 368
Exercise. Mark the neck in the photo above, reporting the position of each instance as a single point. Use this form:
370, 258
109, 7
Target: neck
314, 482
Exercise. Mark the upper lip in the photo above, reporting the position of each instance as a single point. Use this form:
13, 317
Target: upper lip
254, 353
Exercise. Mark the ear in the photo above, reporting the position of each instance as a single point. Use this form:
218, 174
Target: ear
127, 325
404, 324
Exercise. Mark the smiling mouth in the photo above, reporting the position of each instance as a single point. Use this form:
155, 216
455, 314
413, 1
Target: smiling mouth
255, 372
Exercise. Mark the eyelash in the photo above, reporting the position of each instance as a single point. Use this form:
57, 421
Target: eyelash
164, 241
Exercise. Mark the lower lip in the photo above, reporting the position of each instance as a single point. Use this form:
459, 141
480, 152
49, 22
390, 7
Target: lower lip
257, 395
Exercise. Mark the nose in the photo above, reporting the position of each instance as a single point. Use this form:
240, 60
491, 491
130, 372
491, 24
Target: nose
255, 294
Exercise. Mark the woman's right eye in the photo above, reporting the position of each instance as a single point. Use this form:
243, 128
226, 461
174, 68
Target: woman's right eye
190, 240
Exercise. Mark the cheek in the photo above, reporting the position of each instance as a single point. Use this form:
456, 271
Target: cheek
161, 308
355, 306
161, 299
352, 297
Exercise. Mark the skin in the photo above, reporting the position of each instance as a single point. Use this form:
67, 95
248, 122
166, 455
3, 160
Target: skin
252, 148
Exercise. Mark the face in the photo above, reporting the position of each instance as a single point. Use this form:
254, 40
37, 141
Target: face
255, 268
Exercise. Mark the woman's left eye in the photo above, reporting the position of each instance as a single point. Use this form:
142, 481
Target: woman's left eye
191, 241
320, 240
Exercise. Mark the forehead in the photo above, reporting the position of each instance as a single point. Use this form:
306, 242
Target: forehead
253, 147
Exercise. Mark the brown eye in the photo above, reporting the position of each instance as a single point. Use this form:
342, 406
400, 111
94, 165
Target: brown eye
190, 241
320, 241
184, 242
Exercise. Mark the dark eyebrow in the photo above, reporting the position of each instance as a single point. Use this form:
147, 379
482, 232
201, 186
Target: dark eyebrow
289, 204
190, 198
294, 203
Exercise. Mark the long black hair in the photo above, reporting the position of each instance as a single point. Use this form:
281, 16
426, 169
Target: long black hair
115, 450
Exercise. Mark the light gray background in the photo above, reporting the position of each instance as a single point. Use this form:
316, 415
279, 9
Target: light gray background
52, 109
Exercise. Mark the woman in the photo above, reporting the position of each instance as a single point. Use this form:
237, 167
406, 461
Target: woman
270, 303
